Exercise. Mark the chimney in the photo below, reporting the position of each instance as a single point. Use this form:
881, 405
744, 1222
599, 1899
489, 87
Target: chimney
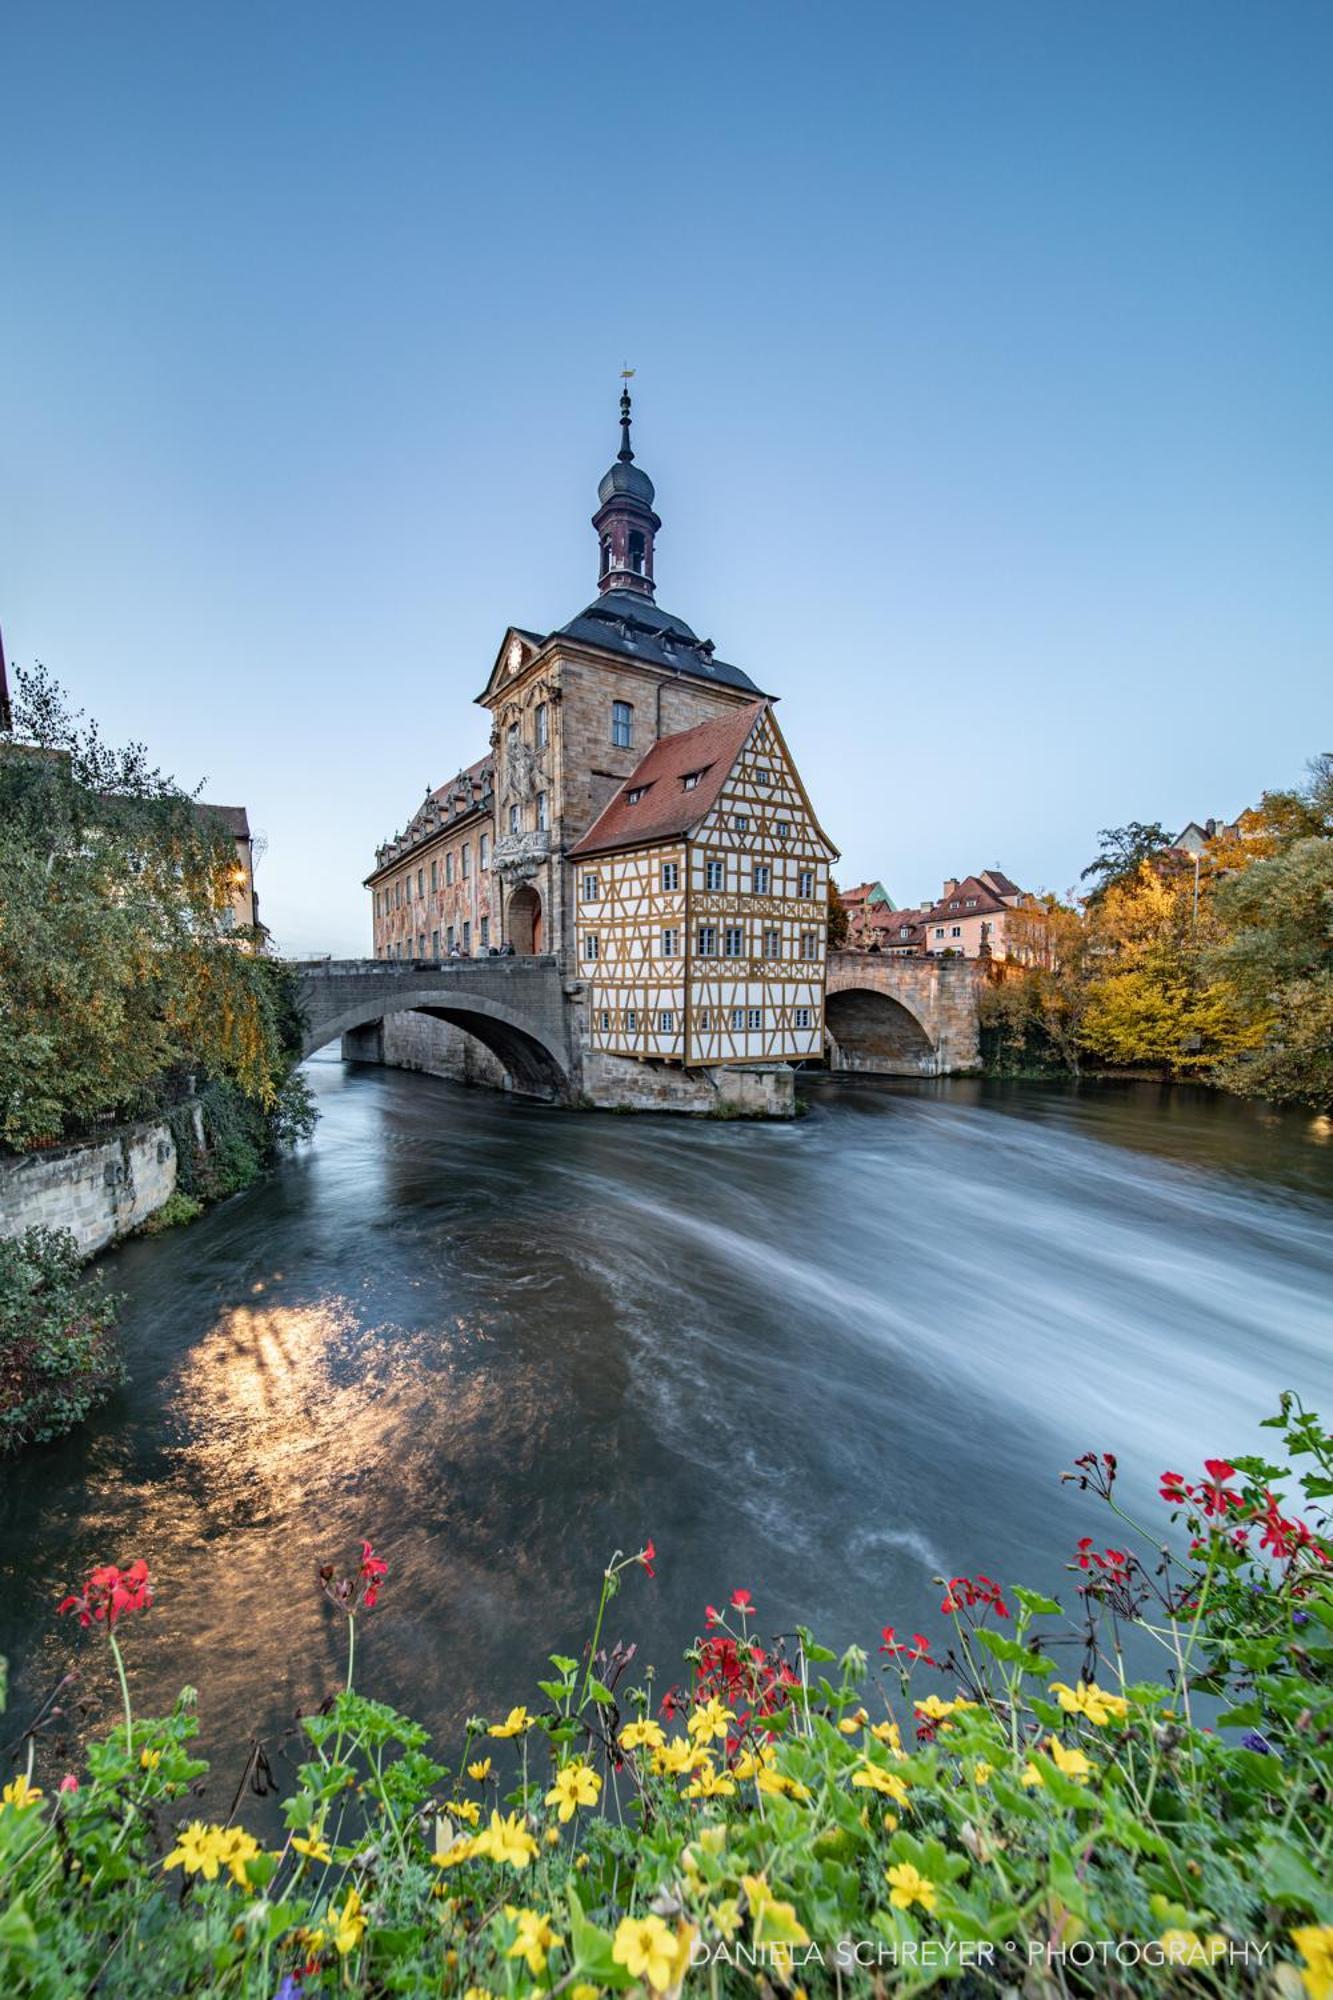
950, 887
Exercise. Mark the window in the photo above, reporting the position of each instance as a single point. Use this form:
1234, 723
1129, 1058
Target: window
590, 944
421, 884
803, 1017
513, 819
703, 1020
809, 945
434, 876
670, 875
634, 548
634, 794
409, 947
689, 781
542, 721
733, 942
707, 944
807, 885
467, 859
606, 554
738, 1017
590, 888
467, 939
631, 1020
761, 875
755, 1018
435, 944
939, 930
740, 822
421, 945
622, 724
713, 875
485, 933
375, 899
671, 943
782, 827
971, 903
956, 930
449, 940
449, 870
542, 821
772, 944
397, 895
484, 852
763, 776
606, 1023
666, 1021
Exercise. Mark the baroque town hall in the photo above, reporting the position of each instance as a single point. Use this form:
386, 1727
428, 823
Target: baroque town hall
639, 818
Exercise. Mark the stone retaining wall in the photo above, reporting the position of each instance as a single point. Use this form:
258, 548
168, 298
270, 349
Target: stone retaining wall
97, 1191
420, 1042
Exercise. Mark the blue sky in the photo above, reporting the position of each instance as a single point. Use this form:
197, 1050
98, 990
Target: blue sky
983, 371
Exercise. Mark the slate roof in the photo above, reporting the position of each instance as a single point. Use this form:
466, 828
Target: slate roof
464, 794
234, 818
621, 621
666, 811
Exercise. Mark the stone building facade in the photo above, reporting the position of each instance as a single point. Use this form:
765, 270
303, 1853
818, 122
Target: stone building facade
487, 863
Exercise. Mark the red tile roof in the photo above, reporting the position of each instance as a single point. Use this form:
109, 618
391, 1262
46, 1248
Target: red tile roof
666, 809
984, 901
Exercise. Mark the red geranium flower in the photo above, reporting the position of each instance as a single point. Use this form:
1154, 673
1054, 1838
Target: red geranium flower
1174, 1490
1217, 1496
109, 1592
918, 1650
372, 1572
742, 1601
648, 1555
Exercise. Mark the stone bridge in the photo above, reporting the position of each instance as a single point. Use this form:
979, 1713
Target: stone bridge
890, 1016
514, 1006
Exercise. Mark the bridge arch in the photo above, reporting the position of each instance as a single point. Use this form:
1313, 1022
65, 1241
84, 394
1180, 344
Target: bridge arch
535, 1064
874, 1031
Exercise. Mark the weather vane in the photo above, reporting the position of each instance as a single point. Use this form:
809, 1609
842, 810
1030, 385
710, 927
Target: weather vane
625, 374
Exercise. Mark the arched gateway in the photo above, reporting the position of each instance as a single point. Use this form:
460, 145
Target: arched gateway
514, 1006
891, 1016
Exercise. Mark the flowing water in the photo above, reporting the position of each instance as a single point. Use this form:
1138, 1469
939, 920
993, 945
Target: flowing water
829, 1361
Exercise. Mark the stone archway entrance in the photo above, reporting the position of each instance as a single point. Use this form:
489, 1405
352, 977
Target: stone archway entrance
872, 1032
523, 921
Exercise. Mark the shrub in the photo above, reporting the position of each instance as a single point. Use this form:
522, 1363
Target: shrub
178, 1208
780, 1817
58, 1353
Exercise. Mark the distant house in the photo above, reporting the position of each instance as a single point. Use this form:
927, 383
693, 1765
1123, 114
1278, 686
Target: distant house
1194, 838
901, 933
970, 919
859, 903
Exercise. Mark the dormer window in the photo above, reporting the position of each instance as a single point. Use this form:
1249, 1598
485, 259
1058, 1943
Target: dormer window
689, 781
634, 794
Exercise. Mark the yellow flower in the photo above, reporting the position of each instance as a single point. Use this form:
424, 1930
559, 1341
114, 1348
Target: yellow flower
889, 1734
851, 1723
149, 1759
645, 1735
907, 1885
675, 1757
20, 1794
751, 1762
583, 1991
1314, 1942
778, 1782
1070, 1763
465, 1809
348, 1926
314, 1847
534, 1941
552, 1836
981, 1772
196, 1851
873, 1778
575, 1785
892, 1822
478, 1993
1090, 1700
709, 1723
479, 1771
507, 1841
649, 1951
710, 1783
458, 1850
937, 1710
727, 1918
235, 1848
514, 1724
774, 1922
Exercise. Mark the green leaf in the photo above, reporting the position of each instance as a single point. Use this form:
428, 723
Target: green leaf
601, 1693
1013, 1654
1033, 1601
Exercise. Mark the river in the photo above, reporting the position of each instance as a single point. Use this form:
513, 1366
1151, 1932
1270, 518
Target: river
828, 1361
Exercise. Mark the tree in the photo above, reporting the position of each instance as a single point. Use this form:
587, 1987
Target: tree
1123, 851
837, 919
1275, 957
116, 969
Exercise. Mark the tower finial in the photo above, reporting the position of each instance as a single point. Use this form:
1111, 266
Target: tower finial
626, 453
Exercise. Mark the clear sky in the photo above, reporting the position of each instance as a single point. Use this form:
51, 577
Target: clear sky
983, 354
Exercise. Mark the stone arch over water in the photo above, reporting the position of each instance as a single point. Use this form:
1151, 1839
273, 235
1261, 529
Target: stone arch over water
535, 1068
870, 1031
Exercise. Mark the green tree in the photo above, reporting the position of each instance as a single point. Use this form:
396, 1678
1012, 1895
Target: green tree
118, 975
837, 919
1123, 851
1275, 957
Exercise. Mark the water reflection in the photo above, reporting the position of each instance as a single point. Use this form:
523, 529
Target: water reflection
829, 1361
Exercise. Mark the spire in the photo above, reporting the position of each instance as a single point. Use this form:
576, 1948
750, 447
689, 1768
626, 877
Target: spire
625, 521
